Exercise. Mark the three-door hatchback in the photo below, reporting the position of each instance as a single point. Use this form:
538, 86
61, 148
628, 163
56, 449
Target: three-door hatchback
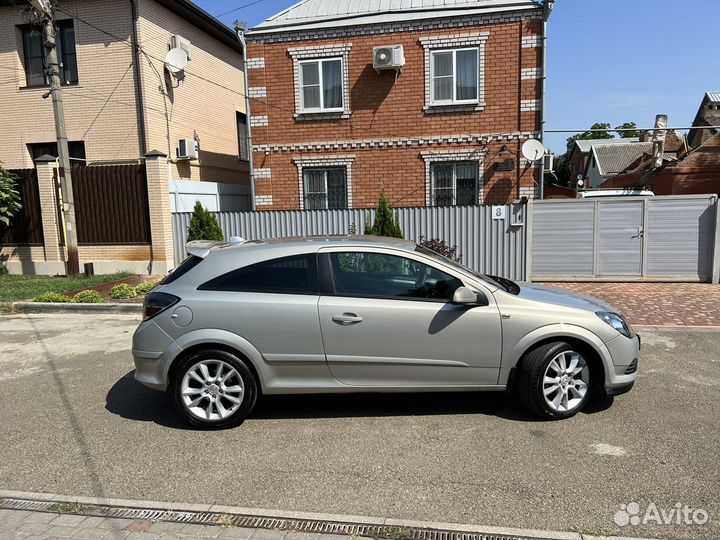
368, 314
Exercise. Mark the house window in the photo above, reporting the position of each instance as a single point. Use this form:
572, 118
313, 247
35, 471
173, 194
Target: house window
242, 134
455, 76
325, 188
34, 54
455, 184
321, 85
75, 148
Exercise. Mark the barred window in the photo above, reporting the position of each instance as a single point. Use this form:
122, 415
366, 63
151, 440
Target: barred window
455, 183
325, 188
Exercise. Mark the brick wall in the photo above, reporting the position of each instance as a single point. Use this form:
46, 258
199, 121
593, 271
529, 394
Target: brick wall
390, 125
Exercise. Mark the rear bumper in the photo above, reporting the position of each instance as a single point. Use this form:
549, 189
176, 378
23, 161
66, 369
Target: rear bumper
153, 351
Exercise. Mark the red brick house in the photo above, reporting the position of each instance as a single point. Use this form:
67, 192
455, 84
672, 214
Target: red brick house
445, 128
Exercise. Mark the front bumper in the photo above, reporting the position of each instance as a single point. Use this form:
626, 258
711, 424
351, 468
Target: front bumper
625, 354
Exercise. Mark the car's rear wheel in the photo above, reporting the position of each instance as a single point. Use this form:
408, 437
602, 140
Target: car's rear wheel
554, 380
213, 389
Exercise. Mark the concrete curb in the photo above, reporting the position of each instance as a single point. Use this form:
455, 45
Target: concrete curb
284, 514
48, 307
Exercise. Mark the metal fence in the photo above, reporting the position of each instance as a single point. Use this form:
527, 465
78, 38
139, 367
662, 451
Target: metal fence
492, 244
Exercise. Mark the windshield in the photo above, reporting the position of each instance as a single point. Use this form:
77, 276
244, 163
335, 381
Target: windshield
445, 260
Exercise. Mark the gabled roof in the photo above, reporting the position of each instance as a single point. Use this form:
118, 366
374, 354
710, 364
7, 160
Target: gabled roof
699, 122
310, 14
614, 158
584, 145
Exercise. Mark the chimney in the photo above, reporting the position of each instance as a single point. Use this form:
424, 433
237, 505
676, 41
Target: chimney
658, 139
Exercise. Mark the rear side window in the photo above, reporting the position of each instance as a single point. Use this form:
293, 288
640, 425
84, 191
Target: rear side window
287, 275
184, 267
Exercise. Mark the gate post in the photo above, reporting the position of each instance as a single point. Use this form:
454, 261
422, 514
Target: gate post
529, 208
715, 278
48, 194
161, 235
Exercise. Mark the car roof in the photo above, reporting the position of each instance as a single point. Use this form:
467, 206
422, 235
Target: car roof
347, 241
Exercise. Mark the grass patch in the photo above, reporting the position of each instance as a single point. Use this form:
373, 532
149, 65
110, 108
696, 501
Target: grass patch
16, 287
68, 508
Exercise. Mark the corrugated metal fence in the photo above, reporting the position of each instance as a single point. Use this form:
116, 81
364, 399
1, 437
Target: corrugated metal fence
492, 246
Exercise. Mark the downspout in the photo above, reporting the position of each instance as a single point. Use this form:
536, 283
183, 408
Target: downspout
241, 36
140, 103
547, 9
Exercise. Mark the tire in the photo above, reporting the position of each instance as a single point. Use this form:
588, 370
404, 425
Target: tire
573, 391
208, 398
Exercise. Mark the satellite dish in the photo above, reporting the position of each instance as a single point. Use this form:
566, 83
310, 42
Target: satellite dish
175, 60
533, 150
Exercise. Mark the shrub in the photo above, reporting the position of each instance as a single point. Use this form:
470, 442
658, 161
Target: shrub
9, 198
88, 296
123, 291
204, 225
3, 269
146, 287
385, 222
441, 247
53, 297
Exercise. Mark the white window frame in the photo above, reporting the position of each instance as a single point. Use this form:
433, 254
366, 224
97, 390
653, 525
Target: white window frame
322, 108
446, 43
453, 157
325, 169
325, 162
454, 100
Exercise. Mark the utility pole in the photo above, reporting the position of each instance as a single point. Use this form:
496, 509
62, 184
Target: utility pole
46, 11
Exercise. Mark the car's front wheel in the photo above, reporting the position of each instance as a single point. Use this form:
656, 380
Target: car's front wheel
554, 380
213, 389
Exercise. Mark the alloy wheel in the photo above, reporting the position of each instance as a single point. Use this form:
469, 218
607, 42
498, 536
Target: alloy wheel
565, 381
212, 390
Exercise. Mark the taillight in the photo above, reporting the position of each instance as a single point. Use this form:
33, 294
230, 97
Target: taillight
156, 302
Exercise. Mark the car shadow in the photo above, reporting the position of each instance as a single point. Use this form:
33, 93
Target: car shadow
131, 400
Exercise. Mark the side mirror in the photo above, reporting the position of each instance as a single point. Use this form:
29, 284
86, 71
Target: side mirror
465, 297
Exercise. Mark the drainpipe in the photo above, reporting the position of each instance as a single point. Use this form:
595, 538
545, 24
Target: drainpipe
140, 104
547, 9
241, 36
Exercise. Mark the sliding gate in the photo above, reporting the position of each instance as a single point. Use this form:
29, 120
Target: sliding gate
664, 238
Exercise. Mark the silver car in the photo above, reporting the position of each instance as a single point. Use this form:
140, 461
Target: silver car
368, 314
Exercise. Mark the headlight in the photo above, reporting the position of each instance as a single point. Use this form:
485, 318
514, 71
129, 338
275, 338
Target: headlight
617, 321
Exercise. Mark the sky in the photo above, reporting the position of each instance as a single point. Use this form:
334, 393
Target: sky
609, 61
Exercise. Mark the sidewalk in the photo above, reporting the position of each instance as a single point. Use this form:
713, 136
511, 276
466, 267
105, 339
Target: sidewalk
657, 304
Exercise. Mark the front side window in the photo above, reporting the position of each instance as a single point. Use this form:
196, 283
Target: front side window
325, 188
455, 75
321, 85
34, 54
378, 275
455, 184
286, 275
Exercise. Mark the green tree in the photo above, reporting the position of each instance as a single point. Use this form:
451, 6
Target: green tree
9, 197
604, 133
204, 225
631, 126
385, 222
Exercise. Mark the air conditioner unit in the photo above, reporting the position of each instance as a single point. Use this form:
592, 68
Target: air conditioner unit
179, 42
188, 149
549, 161
391, 57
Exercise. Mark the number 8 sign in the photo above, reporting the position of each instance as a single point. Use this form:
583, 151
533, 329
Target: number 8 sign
498, 212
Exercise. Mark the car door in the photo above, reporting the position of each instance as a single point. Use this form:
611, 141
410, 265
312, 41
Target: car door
387, 320
272, 304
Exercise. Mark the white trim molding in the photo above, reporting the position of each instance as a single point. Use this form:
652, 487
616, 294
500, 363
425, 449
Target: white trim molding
452, 156
262, 174
256, 63
259, 121
318, 52
529, 192
325, 161
370, 144
531, 42
263, 200
527, 74
455, 41
529, 105
257, 92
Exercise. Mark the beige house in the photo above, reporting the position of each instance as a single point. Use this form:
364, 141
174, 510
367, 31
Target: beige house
122, 103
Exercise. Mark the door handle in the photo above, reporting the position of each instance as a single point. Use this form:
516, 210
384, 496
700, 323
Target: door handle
347, 318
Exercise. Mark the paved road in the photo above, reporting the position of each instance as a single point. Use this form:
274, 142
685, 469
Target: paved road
74, 421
